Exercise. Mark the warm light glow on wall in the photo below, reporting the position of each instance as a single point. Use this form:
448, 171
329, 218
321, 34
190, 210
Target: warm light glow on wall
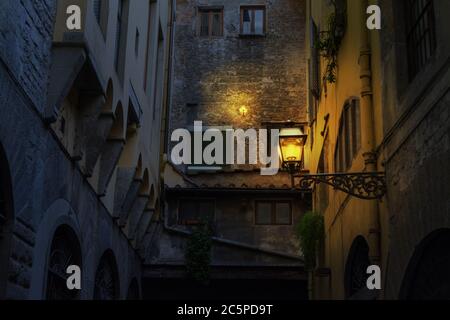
243, 111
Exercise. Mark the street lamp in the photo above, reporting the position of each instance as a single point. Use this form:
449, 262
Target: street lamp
363, 185
292, 143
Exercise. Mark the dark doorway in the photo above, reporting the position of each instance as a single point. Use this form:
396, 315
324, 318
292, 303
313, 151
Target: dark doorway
356, 270
107, 278
226, 289
427, 276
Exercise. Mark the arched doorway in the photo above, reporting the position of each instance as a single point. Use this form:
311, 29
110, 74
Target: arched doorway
133, 291
356, 270
6, 219
65, 251
107, 279
427, 276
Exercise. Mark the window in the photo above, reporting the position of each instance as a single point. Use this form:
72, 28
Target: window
211, 22
136, 43
119, 32
98, 10
314, 74
421, 37
194, 168
253, 20
193, 211
147, 74
64, 251
349, 137
101, 14
273, 213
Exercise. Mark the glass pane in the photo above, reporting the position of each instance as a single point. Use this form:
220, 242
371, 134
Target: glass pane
259, 21
283, 213
247, 22
216, 25
263, 213
204, 26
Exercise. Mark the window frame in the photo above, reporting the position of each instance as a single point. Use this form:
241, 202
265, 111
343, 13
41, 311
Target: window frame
348, 145
417, 55
253, 8
210, 10
273, 218
197, 202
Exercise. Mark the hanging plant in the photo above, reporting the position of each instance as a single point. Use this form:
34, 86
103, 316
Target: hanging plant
310, 231
198, 253
329, 41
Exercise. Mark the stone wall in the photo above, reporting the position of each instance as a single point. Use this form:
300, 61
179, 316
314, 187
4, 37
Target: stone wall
48, 189
214, 77
416, 147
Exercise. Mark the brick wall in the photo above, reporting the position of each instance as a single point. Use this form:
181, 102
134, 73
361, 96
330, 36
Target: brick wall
216, 76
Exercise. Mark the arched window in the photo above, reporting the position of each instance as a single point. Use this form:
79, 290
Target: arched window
349, 136
427, 276
6, 219
106, 278
64, 251
356, 269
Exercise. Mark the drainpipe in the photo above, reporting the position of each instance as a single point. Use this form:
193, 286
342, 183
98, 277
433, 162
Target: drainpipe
368, 133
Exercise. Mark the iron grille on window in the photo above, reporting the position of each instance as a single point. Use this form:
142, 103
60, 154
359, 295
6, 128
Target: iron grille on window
421, 37
349, 138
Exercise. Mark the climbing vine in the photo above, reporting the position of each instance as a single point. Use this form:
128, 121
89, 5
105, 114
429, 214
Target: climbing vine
329, 41
310, 231
198, 253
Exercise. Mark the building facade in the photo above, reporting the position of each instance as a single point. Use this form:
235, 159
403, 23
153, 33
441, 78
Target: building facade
386, 111
236, 65
81, 114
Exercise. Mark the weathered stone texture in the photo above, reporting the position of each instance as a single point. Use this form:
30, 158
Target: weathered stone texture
216, 76
42, 173
26, 29
418, 185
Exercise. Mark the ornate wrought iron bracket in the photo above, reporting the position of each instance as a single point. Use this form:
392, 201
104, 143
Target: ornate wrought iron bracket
363, 185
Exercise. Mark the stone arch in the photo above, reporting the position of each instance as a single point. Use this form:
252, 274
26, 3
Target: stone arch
355, 276
65, 250
133, 290
112, 150
138, 206
128, 178
59, 213
107, 284
145, 187
109, 94
139, 170
6, 219
427, 275
96, 130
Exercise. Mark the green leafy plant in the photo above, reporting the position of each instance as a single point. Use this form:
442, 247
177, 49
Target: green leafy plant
310, 231
198, 252
329, 41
